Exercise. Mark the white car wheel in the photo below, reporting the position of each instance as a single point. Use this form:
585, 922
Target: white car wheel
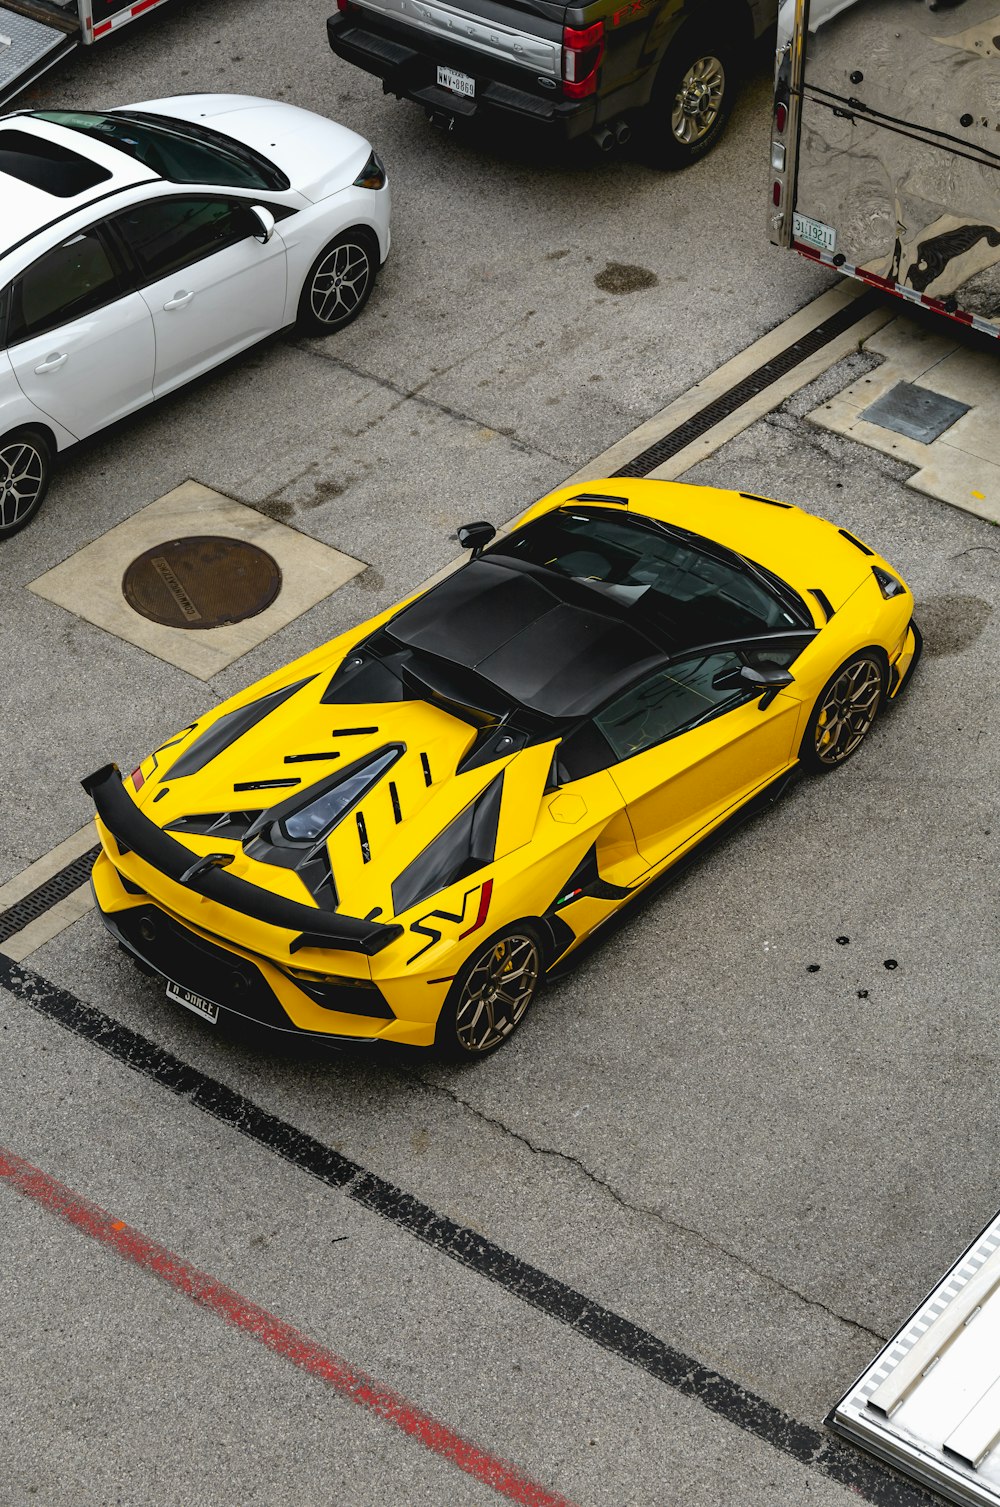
25, 471
340, 282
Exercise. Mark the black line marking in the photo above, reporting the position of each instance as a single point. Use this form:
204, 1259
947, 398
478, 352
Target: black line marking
42, 899
366, 851
803, 1442
753, 383
394, 797
351, 732
267, 784
426, 767
305, 759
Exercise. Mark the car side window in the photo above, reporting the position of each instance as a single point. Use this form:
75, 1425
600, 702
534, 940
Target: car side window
63, 285
165, 235
671, 700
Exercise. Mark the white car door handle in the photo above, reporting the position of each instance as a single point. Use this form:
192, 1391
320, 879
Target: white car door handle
52, 363
179, 301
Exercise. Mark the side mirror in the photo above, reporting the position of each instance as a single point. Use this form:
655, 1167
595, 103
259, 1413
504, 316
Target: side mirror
266, 222
770, 679
475, 536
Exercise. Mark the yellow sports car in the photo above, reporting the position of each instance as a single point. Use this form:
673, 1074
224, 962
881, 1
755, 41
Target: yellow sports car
398, 835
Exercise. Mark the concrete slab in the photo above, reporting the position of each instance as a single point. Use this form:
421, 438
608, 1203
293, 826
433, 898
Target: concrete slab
960, 466
88, 584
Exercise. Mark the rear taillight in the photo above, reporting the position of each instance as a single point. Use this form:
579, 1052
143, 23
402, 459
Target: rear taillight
346, 7
780, 118
582, 54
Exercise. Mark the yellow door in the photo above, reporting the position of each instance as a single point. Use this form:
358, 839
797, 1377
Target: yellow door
692, 747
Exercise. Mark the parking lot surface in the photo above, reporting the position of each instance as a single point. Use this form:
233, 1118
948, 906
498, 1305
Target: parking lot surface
638, 1255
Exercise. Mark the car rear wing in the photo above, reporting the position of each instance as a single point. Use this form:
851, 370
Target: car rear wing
136, 833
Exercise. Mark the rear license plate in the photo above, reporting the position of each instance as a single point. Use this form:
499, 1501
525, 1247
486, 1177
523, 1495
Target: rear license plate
458, 83
206, 1008
814, 232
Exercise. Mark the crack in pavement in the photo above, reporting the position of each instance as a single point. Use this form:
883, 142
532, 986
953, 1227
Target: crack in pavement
416, 395
644, 1209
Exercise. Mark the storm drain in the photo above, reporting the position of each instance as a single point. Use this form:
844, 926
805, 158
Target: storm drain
915, 411
204, 581
748, 387
42, 899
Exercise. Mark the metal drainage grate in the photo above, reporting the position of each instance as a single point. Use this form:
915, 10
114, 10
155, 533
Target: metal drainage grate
204, 581
756, 381
914, 411
47, 895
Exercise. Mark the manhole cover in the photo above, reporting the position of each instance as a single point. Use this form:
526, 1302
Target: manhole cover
915, 411
201, 582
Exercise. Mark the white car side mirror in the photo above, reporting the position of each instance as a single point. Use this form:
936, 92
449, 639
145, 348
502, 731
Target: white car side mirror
265, 219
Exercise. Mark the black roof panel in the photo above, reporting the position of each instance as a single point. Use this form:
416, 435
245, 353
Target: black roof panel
555, 656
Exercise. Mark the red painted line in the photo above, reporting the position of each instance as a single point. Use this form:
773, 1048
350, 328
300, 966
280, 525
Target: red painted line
273, 1333
484, 905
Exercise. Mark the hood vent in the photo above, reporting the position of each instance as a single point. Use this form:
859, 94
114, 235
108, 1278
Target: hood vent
294, 833
230, 824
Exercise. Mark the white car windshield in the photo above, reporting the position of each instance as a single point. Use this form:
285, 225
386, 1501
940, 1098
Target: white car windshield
174, 149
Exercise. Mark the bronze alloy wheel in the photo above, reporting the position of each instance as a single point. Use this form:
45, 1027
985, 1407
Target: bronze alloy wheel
846, 710
698, 100
496, 992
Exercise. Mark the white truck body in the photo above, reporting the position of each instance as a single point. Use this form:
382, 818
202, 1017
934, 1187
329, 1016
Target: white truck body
930, 1403
885, 147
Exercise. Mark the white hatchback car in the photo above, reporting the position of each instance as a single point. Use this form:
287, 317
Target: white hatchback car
142, 246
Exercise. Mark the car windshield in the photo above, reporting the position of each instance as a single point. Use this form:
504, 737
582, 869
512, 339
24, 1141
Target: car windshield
174, 149
666, 583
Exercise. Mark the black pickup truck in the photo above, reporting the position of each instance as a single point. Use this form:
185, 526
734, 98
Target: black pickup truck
665, 67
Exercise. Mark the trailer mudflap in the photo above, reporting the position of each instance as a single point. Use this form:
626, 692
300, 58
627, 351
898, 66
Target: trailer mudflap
930, 1403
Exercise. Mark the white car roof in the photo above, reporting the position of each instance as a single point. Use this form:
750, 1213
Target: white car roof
27, 209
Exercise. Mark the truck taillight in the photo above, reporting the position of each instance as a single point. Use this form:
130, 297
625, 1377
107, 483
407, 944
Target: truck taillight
582, 54
346, 7
776, 194
780, 118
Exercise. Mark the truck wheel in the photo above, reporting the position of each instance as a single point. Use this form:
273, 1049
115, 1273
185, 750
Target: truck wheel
339, 283
691, 102
25, 471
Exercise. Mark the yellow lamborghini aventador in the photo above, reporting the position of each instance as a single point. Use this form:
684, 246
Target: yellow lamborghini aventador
397, 836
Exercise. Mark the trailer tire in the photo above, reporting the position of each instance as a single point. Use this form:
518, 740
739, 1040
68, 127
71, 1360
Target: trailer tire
691, 101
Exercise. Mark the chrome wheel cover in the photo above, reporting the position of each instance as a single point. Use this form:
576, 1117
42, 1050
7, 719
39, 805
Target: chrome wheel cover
340, 282
22, 477
497, 993
698, 100
848, 710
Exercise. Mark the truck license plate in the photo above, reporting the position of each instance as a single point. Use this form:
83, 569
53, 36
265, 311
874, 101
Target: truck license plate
458, 83
814, 232
206, 1008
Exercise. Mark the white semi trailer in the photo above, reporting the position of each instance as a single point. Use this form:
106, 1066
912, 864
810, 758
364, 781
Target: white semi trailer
885, 147
35, 35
